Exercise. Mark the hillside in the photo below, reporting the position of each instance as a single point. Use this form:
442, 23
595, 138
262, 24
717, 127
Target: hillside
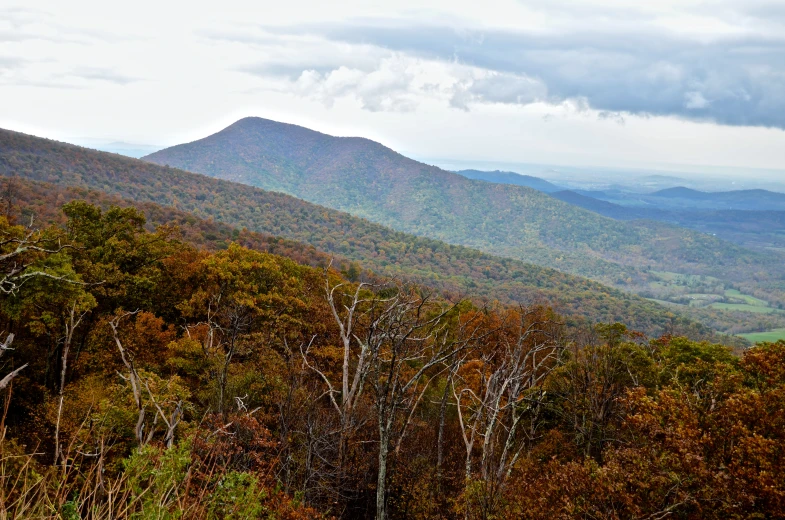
81, 173
500, 177
369, 180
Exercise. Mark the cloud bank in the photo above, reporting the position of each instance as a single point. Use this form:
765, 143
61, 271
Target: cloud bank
722, 62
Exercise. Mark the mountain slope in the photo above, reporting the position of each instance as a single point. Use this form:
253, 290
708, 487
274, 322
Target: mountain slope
453, 269
369, 180
500, 177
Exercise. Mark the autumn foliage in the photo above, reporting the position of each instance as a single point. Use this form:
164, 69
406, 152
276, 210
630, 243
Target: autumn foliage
146, 377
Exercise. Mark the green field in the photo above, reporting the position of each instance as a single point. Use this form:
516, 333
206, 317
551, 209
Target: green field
744, 308
731, 300
751, 300
772, 335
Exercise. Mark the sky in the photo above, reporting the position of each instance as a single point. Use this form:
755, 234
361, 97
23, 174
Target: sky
585, 83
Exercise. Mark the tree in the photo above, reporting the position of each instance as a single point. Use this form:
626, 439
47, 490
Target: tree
26, 255
5, 347
586, 389
407, 340
501, 399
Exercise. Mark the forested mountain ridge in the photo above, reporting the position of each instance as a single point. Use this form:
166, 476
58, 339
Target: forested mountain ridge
738, 199
454, 269
370, 180
748, 228
501, 177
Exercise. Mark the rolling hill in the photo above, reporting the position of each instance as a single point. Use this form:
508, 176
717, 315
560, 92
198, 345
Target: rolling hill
369, 180
52, 173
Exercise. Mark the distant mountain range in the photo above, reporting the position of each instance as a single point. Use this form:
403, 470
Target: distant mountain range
372, 181
517, 179
759, 200
750, 218
754, 229
120, 147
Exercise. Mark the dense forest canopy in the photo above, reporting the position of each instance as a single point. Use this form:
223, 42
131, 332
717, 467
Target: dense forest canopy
144, 377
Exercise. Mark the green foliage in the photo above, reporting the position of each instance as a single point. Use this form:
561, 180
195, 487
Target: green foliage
155, 478
680, 351
237, 496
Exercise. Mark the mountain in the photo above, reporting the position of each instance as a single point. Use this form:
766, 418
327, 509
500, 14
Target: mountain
741, 199
134, 150
369, 180
60, 172
605, 208
748, 228
517, 179
680, 192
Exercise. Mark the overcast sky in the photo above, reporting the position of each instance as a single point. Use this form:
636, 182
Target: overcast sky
605, 83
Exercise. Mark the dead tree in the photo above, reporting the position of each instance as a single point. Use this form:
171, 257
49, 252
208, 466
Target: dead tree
348, 310
21, 253
72, 322
226, 321
133, 378
5, 347
171, 421
408, 341
493, 415
144, 433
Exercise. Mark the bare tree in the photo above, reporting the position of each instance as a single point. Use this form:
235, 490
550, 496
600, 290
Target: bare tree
133, 379
493, 415
393, 341
408, 341
5, 346
347, 310
172, 420
144, 433
22, 253
72, 322
226, 320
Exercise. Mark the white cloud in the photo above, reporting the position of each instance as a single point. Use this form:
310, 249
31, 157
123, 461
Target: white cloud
387, 88
495, 87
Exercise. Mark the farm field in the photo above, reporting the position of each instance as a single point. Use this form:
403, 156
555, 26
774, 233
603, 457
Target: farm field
771, 336
745, 308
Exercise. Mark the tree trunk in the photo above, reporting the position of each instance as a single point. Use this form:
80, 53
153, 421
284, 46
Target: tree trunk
440, 440
382, 479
